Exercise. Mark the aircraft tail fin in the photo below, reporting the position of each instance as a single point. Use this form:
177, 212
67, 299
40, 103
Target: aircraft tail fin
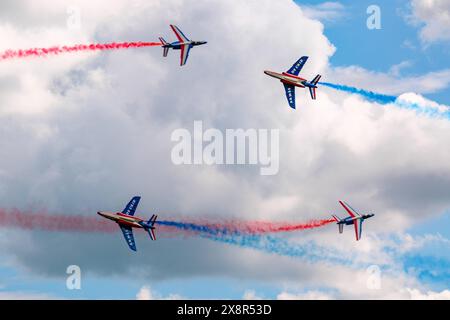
335, 217
316, 79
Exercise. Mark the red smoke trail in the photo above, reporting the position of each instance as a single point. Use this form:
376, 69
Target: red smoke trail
56, 50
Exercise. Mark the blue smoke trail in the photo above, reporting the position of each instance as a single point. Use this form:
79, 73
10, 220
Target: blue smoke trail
386, 99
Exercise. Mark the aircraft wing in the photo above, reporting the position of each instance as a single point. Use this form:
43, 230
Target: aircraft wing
290, 95
184, 54
180, 35
352, 212
358, 228
129, 238
130, 209
297, 67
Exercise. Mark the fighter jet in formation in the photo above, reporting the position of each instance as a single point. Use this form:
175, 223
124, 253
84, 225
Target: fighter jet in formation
354, 218
290, 80
126, 221
183, 44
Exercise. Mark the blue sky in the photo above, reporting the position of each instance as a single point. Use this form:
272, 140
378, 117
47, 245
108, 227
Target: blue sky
374, 50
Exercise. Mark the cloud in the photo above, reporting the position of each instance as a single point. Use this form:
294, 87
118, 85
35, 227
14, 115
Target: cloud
434, 17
